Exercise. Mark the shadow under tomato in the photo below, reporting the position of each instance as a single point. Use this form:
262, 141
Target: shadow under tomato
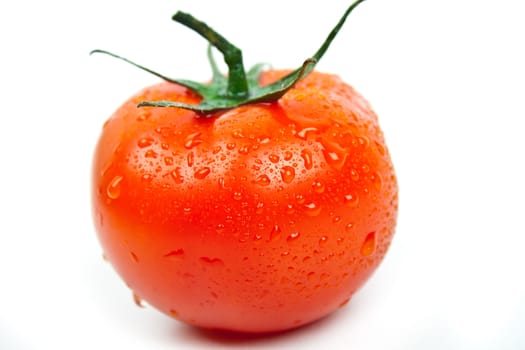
234, 339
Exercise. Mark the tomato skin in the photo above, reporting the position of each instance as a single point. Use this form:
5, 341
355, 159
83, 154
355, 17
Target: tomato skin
258, 219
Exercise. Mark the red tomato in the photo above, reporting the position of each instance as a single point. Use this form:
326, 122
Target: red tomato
261, 218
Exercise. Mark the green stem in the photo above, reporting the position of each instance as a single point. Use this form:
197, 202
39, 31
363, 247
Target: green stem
237, 83
238, 87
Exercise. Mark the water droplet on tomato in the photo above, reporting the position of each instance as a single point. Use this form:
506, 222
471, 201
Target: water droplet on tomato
287, 174
288, 155
376, 180
351, 200
369, 245
303, 133
323, 240
134, 257
146, 177
307, 158
275, 233
238, 134
150, 154
174, 313
349, 227
334, 155
190, 159
137, 300
262, 180
274, 158
244, 149
145, 142
113, 190
318, 186
176, 253
237, 195
354, 175
176, 176
380, 148
201, 173
263, 140
312, 209
230, 145
293, 236
214, 261
259, 208
336, 219
344, 303
168, 161
192, 140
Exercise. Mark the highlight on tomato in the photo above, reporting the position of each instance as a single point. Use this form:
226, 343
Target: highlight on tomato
258, 202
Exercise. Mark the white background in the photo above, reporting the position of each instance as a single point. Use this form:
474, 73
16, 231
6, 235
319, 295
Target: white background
447, 79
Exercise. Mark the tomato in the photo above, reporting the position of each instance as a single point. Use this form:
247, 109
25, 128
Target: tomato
257, 218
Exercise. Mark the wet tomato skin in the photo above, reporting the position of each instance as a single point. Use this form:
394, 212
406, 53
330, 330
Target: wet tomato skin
261, 218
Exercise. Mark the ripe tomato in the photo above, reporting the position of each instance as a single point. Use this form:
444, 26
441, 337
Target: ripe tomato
260, 218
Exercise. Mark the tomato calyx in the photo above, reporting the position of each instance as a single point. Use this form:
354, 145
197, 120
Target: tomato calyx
238, 87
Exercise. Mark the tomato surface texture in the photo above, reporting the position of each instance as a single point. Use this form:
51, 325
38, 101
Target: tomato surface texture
260, 218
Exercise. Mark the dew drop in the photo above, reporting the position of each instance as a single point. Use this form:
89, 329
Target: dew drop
264, 140
312, 209
146, 177
334, 155
351, 200
209, 260
318, 187
275, 233
168, 161
299, 198
323, 240
219, 229
307, 158
237, 195
137, 300
174, 313
201, 173
287, 174
274, 158
216, 149
230, 145
262, 180
192, 140
354, 175
177, 253
336, 219
349, 227
380, 148
238, 134
150, 154
244, 150
288, 155
293, 236
369, 245
344, 303
259, 208
113, 190
190, 158
303, 133
376, 180
145, 142
177, 177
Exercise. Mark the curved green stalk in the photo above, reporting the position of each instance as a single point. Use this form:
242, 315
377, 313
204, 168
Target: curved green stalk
238, 88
